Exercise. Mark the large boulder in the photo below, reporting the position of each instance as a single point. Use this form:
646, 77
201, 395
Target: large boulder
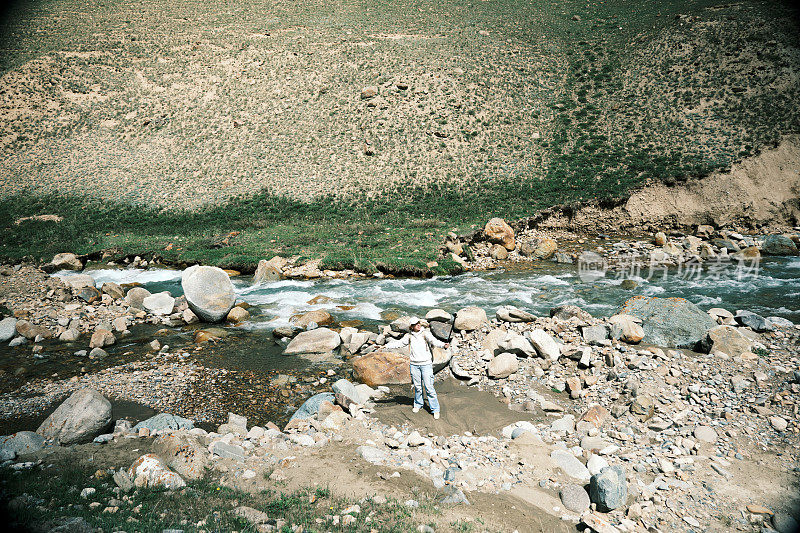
382, 368
320, 340
31, 331
160, 303
499, 232
208, 291
544, 249
669, 322
65, 261
136, 296
726, 339
79, 281
544, 344
517, 345
441, 358
753, 321
8, 328
609, 488
183, 453
470, 318
778, 245
502, 366
267, 271
80, 418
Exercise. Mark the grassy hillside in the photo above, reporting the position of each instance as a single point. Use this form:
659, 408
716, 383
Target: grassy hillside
163, 127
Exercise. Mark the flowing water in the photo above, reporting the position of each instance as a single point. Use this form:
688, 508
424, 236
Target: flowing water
270, 385
773, 291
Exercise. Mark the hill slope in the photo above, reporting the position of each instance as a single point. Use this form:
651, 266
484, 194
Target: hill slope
480, 108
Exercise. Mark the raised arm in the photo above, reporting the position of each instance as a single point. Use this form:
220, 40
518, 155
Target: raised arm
433, 341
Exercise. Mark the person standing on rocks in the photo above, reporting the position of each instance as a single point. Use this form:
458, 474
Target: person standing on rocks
419, 341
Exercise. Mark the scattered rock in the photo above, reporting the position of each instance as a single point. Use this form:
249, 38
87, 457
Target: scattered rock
609, 488
382, 368
503, 366
499, 232
320, 340
470, 318
670, 322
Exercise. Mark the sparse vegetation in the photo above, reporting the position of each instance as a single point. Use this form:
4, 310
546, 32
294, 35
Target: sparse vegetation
162, 135
50, 492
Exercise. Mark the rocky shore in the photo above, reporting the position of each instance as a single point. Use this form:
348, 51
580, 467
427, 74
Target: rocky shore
662, 417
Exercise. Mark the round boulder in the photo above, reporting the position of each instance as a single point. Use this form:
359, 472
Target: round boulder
382, 368
208, 291
81, 417
502, 366
499, 232
470, 318
319, 340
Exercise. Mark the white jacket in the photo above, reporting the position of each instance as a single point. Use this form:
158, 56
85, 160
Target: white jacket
420, 343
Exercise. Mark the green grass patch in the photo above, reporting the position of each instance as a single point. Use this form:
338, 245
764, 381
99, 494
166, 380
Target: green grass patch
41, 494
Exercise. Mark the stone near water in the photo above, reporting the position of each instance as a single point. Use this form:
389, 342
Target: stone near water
319, 340
311, 406
149, 472
497, 231
101, 338
626, 328
442, 330
349, 391
518, 345
8, 328
565, 312
544, 249
609, 488
780, 322
594, 334
660, 239
80, 418
135, 297
726, 339
498, 252
778, 245
97, 353
159, 304
64, 261
319, 317
237, 315
502, 366
382, 368
669, 322
575, 498
544, 344
209, 292
164, 421
570, 465
509, 313
470, 318
31, 331
757, 323
113, 289
79, 281
438, 315
267, 271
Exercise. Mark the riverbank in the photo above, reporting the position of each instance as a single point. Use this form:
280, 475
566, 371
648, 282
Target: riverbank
534, 405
